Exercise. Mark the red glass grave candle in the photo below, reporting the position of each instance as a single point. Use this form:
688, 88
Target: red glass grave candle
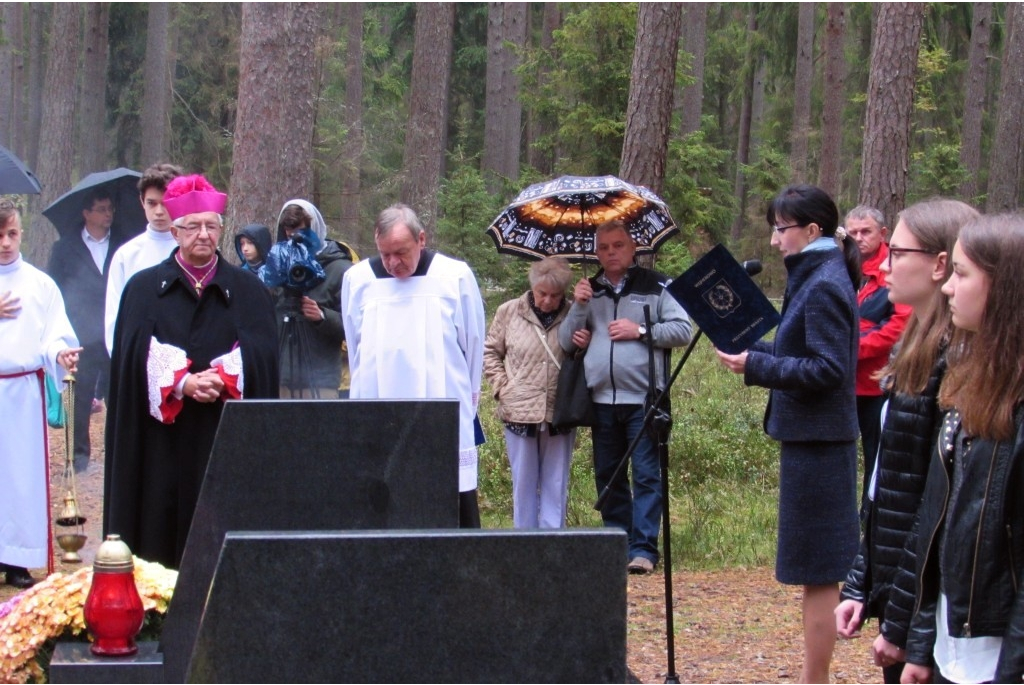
113, 609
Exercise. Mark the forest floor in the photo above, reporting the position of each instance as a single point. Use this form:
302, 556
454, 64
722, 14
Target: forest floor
731, 626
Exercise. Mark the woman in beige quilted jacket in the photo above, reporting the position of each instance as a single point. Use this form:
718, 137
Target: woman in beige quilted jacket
521, 362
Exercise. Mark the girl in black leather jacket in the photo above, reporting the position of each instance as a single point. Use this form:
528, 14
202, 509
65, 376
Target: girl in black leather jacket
919, 264
968, 622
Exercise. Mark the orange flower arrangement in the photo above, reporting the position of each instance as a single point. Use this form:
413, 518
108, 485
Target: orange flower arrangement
53, 609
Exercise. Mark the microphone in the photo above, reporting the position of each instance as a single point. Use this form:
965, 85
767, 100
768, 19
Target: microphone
752, 267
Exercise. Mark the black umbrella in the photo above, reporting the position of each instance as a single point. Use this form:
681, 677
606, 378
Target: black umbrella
560, 217
65, 213
15, 177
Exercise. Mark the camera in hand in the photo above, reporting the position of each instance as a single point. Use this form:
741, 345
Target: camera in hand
292, 263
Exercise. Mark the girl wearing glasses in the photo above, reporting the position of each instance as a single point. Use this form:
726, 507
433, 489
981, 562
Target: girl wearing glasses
968, 623
917, 266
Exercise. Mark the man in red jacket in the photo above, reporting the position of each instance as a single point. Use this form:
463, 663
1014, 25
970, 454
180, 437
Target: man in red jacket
881, 325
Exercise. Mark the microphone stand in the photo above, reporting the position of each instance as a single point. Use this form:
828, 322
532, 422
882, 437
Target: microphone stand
659, 421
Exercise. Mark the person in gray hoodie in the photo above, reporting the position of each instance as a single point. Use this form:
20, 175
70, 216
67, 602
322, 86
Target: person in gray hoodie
309, 323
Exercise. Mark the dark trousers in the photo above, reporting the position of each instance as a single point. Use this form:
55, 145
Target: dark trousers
869, 411
90, 382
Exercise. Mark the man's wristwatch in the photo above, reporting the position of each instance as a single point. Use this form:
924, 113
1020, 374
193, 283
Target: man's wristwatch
642, 330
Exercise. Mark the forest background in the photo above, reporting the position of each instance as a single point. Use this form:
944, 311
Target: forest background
454, 108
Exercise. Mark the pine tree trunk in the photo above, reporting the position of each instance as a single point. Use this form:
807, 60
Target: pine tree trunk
38, 18
829, 168
17, 33
803, 81
352, 149
503, 111
695, 40
743, 140
894, 48
1005, 166
7, 50
156, 97
273, 142
426, 135
92, 139
974, 98
57, 128
540, 125
651, 90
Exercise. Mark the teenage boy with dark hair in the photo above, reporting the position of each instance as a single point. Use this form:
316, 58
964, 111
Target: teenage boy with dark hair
147, 249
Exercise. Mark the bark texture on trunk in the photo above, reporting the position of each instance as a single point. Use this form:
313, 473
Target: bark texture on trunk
156, 99
273, 144
829, 169
426, 136
507, 27
886, 161
1005, 168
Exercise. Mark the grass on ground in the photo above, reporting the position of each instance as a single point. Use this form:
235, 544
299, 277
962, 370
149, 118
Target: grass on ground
723, 470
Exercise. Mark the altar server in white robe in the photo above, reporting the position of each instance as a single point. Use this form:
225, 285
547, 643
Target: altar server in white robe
35, 336
414, 322
147, 249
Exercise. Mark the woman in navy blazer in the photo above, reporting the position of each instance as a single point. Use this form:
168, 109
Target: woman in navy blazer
810, 370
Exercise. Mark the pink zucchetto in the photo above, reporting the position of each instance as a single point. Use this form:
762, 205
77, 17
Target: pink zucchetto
193, 194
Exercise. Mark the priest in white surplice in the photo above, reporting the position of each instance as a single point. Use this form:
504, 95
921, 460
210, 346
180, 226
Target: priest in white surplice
414, 322
35, 336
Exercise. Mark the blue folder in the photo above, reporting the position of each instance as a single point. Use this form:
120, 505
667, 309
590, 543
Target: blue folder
724, 301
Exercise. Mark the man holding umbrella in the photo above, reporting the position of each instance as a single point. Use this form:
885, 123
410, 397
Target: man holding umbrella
607, 318
79, 264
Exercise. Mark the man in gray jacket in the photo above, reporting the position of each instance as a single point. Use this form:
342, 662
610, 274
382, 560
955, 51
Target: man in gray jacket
607, 318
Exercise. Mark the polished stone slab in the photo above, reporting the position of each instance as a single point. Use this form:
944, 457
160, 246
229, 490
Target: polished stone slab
287, 465
416, 606
74, 662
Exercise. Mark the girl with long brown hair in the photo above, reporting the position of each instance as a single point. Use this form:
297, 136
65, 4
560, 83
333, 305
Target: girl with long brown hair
968, 622
919, 263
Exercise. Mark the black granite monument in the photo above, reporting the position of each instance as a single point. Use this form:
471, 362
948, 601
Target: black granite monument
309, 465
325, 547
446, 606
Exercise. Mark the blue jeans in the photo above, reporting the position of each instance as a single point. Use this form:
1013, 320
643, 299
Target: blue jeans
638, 513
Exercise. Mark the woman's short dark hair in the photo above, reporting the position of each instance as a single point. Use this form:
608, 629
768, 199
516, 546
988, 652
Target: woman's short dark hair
803, 205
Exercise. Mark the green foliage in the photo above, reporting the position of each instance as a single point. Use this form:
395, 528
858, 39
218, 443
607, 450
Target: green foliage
467, 209
579, 86
587, 88
205, 89
697, 188
935, 170
125, 79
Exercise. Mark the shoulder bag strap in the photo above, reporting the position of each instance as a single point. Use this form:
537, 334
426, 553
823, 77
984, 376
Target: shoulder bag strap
544, 342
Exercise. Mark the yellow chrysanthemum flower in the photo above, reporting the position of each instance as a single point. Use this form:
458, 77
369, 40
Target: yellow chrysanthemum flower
55, 607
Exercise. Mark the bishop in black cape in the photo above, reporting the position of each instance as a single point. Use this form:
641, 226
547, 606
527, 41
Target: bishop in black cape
154, 470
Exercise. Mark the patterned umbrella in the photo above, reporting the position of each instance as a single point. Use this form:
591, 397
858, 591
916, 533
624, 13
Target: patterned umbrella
559, 218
